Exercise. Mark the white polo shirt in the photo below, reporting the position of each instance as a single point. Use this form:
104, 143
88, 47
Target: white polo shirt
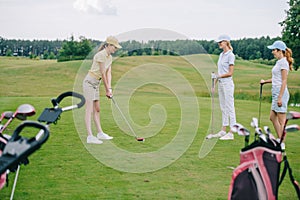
276, 71
225, 60
100, 57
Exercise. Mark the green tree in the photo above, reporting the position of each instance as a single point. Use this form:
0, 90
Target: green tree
291, 30
9, 52
74, 50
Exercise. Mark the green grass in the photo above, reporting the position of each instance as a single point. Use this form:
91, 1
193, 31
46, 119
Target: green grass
64, 167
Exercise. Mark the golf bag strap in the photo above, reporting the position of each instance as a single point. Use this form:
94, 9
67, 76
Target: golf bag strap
292, 179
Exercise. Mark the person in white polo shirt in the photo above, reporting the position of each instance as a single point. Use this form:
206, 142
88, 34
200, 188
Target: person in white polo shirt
100, 72
280, 93
226, 87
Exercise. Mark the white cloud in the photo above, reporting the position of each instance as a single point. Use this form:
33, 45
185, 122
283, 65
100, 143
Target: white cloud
101, 7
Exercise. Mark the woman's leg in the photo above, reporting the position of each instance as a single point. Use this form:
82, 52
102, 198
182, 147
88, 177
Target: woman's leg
222, 101
281, 120
230, 109
274, 117
96, 114
88, 116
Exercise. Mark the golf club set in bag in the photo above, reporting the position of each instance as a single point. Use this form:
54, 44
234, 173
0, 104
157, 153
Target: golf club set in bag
16, 148
258, 174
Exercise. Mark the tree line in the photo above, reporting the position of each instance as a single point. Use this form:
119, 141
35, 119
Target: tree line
247, 48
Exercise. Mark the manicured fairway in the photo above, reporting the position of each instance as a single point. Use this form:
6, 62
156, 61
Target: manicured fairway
66, 168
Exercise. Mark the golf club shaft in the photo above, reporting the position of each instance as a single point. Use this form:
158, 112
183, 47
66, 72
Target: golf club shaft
260, 99
212, 100
117, 106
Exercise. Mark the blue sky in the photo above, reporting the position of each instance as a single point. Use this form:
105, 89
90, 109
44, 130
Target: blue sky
96, 19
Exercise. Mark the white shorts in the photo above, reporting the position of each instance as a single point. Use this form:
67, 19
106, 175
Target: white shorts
285, 100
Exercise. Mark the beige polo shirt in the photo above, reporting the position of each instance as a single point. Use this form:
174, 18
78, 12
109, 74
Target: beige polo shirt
100, 57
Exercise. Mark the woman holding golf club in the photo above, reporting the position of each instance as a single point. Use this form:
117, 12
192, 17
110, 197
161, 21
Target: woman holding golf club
226, 87
100, 72
280, 93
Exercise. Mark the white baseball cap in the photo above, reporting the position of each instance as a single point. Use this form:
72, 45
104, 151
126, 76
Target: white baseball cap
278, 45
222, 38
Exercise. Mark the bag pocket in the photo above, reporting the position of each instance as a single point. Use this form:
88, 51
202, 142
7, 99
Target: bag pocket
246, 183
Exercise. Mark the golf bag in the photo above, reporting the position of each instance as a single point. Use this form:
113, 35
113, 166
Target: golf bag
258, 175
3, 177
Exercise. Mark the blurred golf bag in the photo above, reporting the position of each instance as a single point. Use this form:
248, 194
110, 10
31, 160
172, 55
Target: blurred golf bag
258, 174
15, 150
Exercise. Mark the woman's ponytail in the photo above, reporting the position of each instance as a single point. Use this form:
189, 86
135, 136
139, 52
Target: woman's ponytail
289, 58
102, 46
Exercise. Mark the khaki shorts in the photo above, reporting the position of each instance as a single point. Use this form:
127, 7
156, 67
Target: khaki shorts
91, 88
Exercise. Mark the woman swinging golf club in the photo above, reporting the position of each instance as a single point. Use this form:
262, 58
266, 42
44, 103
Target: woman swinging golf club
280, 93
100, 72
226, 87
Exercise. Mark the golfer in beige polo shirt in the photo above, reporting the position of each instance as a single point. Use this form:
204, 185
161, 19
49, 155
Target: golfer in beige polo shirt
99, 72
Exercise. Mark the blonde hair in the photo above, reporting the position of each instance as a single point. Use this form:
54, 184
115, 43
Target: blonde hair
288, 54
229, 45
102, 46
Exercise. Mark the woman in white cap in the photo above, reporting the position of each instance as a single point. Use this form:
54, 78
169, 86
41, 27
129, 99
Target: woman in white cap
226, 87
280, 93
100, 72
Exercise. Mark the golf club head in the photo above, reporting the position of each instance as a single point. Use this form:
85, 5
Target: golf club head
292, 128
235, 128
7, 115
140, 139
254, 122
293, 115
267, 130
258, 131
243, 131
24, 111
260, 134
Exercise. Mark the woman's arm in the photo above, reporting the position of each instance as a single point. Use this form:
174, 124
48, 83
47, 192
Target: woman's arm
229, 74
106, 79
262, 81
108, 75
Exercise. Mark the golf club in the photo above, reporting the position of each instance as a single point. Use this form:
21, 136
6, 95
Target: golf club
260, 99
241, 130
267, 131
213, 78
6, 115
270, 136
258, 131
137, 138
21, 113
292, 128
290, 116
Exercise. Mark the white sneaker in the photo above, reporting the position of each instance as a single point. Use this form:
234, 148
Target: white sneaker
209, 136
228, 136
93, 140
104, 136
220, 134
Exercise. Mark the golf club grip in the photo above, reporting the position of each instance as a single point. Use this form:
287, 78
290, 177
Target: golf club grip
69, 94
18, 130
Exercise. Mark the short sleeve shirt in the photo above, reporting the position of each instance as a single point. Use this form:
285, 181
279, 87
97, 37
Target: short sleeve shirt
225, 60
100, 57
281, 64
